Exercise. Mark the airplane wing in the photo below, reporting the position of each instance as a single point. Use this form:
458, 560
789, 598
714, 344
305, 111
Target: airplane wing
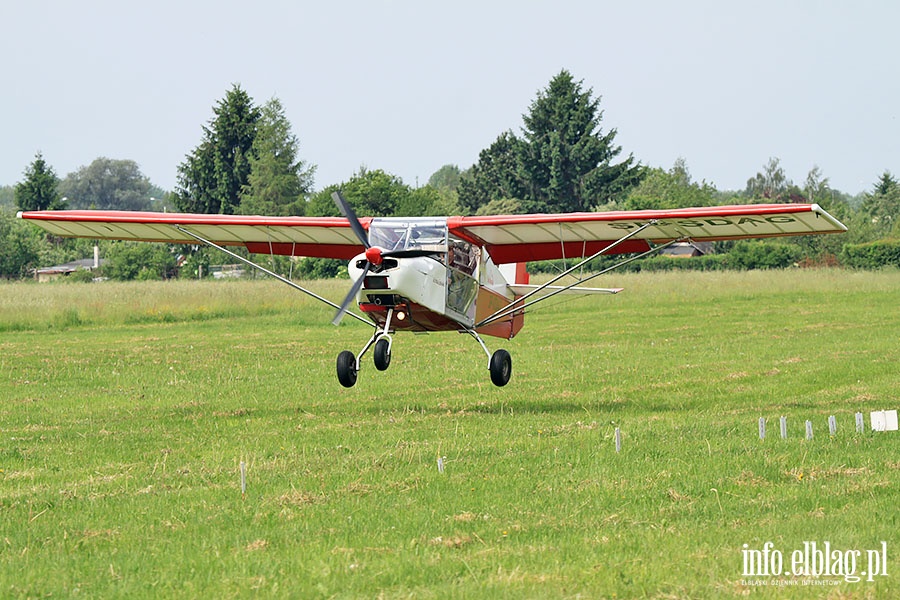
508, 238
323, 237
522, 238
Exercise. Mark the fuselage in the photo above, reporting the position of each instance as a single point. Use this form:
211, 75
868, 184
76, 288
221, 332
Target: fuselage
450, 290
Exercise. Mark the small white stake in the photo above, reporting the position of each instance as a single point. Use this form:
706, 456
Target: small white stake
832, 425
860, 423
809, 434
440, 462
784, 428
618, 440
762, 428
243, 478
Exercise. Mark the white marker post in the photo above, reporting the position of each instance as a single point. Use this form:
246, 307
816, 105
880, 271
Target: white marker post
762, 428
809, 434
618, 440
243, 478
860, 423
784, 428
832, 425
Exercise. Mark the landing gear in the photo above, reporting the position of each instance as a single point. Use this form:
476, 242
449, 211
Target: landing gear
346, 369
501, 368
499, 363
382, 353
348, 365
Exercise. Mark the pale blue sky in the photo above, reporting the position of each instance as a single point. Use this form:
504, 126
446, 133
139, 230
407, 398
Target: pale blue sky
408, 86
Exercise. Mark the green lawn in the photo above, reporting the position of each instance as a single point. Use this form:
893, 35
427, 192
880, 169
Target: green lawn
127, 409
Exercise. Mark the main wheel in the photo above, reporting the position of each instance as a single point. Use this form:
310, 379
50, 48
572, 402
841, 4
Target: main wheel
501, 368
382, 354
346, 368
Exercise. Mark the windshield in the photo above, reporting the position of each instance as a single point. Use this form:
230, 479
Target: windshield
406, 234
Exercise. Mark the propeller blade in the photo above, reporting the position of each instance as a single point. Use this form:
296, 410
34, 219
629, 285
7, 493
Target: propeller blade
347, 211
357, 285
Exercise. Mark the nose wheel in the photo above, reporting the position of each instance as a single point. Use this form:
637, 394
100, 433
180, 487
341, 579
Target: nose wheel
346, 369
382, 353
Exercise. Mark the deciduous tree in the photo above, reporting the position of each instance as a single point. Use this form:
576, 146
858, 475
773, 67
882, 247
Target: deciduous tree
494, 176
371, 193
771, 184
109, 184
670, 189
19, 247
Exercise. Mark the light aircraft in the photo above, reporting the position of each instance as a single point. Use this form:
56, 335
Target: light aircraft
463, 274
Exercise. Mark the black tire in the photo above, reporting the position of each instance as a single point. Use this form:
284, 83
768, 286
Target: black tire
346, 369
382, 354
501, 368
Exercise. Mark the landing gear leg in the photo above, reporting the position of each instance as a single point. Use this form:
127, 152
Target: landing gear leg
382, 353
499, 363
348, 365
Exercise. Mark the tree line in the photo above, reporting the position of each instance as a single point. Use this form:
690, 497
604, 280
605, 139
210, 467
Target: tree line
248, 162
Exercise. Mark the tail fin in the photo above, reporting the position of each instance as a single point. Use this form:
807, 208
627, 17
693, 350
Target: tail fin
515, 273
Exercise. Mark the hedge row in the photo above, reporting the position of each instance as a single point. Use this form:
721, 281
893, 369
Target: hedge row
744, 256
873, 255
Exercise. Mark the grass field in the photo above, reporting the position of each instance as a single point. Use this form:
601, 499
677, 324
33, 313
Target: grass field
127, 410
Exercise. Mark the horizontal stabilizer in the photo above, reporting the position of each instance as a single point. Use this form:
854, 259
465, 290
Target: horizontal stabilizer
521, 289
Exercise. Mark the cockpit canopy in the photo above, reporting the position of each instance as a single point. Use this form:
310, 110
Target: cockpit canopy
409, 234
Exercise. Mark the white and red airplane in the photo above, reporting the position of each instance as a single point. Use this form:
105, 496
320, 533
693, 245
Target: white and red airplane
463, 274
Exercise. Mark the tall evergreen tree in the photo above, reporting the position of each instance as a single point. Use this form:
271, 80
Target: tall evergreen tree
563, 163
39, 190
566, 160
278, 181
213, 176
882, 206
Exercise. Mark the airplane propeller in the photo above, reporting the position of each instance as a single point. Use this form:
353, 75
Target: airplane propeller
374, 255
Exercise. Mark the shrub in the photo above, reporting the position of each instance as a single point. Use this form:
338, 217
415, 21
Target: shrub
873, 255
762, 255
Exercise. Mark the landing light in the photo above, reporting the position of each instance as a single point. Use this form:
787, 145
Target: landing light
401, 315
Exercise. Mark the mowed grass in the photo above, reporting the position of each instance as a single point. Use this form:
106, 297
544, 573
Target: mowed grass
127, 409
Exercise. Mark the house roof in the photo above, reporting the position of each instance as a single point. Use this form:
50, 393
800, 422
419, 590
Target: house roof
70, 267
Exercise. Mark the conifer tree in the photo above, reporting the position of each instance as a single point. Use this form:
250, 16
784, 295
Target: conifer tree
39, 190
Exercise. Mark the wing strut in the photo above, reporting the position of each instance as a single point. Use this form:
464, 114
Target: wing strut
519, 304
270, 273
514, 306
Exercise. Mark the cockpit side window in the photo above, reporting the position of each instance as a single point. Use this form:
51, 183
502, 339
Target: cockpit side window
462, 256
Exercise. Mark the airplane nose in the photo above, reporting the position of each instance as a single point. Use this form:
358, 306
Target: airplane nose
373, 255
